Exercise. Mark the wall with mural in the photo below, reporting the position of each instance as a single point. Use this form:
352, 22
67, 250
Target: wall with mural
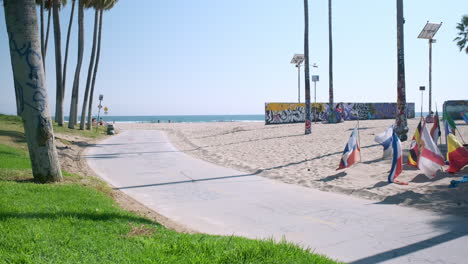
455, 108
282, 113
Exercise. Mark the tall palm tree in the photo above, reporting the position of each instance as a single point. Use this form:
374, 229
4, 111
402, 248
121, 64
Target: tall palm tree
76, 81
462, 39
58, 62
90, 68
101, 5
332, 115
401, 127
28, 71
44, 5
308, 120
67, 45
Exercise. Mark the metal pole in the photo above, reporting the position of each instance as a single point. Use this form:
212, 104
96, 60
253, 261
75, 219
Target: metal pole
315, 101
299, 83
99, 112
430, 75
422, 98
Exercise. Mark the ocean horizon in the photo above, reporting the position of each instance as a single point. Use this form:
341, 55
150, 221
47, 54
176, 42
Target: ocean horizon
180, 118
188, 118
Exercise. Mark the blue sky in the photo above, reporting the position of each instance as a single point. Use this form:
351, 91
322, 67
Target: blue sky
184, 57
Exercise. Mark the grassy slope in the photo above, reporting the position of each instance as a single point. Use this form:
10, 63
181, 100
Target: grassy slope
71, 223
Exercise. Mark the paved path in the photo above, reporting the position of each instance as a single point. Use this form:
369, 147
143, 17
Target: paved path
217, 200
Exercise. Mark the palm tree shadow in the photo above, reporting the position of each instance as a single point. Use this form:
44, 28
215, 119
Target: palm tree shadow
84, 216
17, 136
333, 177
378, 185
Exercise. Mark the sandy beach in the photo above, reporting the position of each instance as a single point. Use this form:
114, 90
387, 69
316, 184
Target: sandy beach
284, 153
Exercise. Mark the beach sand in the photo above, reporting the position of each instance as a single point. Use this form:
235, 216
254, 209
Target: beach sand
284, 153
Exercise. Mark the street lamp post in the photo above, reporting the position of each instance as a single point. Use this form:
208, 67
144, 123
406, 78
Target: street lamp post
428, 32
315, 79
422, 88
298, 59
101, 97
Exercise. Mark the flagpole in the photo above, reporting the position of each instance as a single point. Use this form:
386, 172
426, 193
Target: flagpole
358, 135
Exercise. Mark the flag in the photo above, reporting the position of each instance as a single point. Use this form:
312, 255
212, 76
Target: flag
457, 154
465, 116
430, 159
435, 130
351, 151
397, 160
385, 139
449, 124
414, 147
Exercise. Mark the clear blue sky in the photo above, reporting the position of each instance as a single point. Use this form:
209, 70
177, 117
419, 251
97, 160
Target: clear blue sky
183, 57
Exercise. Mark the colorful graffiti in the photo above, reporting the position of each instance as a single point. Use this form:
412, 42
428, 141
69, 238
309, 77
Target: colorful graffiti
456, 108
283, 113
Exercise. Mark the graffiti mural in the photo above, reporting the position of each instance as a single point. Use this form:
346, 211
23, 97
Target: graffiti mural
283, 113
456, 108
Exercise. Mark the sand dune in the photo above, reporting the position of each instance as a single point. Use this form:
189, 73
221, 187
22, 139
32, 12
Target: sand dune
284, 153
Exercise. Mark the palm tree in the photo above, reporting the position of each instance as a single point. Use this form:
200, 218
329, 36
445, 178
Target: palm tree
90, 68
401, 127
332, 115
101, 5
76, 81
308, 121
28, 71
67, 45
44, 5
58, 62
462, 39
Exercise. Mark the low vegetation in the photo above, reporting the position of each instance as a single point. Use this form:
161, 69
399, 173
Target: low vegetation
72, 222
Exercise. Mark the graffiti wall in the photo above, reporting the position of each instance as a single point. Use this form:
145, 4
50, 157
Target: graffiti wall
455, 108
282, 113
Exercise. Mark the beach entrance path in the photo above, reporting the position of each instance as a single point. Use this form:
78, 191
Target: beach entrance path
217, 200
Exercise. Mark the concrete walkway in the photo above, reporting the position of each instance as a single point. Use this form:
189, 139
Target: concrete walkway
217, 200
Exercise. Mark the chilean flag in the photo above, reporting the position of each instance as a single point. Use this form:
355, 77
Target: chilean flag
397, 160
351, 151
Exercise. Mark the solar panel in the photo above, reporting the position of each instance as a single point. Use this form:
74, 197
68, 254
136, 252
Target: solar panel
297, 59
429, 30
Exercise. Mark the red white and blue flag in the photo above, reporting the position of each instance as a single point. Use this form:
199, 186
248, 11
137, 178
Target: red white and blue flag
351, 151
397, 160
430, 160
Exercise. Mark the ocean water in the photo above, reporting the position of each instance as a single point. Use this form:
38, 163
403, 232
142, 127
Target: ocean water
182, 118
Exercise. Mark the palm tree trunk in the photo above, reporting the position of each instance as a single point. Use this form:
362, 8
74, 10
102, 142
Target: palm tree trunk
308, 121
98, 55
58, 65
47, 35
401, 126
76, 81
332, 118
42, 33
67, 45
90, 71
26, 61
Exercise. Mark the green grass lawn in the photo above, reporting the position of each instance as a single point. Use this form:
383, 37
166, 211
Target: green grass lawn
71, 223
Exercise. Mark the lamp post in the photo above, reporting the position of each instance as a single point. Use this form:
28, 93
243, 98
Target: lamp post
422, 88
101, 97
428, 32
298, 59
315, 79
